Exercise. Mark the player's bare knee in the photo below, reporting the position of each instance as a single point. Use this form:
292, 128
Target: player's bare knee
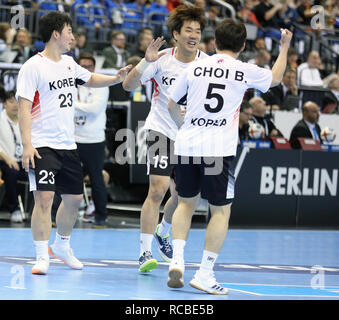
43, 200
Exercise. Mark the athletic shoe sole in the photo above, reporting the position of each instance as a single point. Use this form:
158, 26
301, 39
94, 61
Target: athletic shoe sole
175, 280
148, 266
39, 272
198, 286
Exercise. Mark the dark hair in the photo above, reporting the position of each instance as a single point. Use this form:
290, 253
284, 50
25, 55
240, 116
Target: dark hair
245, 105
86, 55
115, 33
53, 20
230, 35
184, 13
9, 95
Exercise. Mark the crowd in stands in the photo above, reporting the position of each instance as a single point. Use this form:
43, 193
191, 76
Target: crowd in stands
111, 22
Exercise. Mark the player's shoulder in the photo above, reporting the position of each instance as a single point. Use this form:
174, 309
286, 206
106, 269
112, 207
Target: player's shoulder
169, 52
32, 64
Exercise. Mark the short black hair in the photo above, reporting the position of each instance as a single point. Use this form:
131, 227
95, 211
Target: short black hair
9, 95
245, 105
230, 35
86, 55
53, 20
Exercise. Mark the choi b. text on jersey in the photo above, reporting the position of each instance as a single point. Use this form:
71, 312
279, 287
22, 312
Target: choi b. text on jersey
220, 73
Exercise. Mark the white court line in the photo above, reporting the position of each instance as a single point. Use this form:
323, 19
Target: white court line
59, 291
98, 294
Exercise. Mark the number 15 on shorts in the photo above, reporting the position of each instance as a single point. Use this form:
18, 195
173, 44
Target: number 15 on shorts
162, 161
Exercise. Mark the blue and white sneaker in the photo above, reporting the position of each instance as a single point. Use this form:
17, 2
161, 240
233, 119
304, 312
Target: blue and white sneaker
207, 283
146, 262
164, 246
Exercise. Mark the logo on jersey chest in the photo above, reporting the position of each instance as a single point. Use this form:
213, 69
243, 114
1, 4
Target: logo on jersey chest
167, 81
59, 84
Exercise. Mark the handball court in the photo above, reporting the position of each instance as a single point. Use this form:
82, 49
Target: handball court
260, 264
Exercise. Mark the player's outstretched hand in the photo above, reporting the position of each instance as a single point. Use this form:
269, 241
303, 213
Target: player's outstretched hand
122, 73
28, 157
152, 50
286, 36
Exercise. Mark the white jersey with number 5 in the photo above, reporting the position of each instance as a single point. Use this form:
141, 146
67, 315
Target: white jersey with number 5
214, 89
164, 73
51, 87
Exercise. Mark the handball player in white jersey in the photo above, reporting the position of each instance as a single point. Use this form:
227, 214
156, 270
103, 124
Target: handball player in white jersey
186, 24
207, 141
46, 90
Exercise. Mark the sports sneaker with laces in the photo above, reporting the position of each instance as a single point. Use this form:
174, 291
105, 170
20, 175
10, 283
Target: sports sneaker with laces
175, 274
146, 262
208, 283
164, 246
41, 265
66, 256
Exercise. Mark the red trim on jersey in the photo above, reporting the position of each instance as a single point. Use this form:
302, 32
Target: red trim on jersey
39, 54
156, 91
36, 104
173, 51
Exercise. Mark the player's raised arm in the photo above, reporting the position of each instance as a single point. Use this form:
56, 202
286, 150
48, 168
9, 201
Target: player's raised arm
152, 54
279, 66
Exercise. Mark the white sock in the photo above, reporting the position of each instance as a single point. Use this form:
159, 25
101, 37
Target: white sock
145, 242
208, 261
164, 228
62, 241
178, 249
41, 249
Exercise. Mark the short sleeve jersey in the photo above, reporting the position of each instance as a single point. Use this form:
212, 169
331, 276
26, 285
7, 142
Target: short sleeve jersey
51, 87
214, 89
164, 73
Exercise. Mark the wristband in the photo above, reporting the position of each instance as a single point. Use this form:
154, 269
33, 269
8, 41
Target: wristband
142, 66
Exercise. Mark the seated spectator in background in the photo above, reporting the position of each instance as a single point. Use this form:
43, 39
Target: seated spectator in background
135, 10
267, 15
116, 10
244, 117
23, 45
4, 31
144, 40
116, 55
246, 14
308, 72
79, 45
209, 42
308, 126
259, 109
304, 12
249, 54
159, 6
262, 59
292, 59
287, 15
212, 15
59, 6
331, 99
277, 97
10, 154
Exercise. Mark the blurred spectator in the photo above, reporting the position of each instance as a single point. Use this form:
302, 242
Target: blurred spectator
116, 12
79, 45
116, 55
159, 6
23, 45
172, 4
4, 30
210, 47
267, 15
287, 15
292, 59
304, 12
212, 15
308, 72
307, 127
249, 54
278, 97
331, 98
90, 123
262, 59
246, 14
136, 10
10, 154
244, 117
60, 6
144, 40
259, 109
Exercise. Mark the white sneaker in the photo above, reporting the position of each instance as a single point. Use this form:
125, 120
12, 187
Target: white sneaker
207, 282
175, 274
16, 216
66, 256
41, 266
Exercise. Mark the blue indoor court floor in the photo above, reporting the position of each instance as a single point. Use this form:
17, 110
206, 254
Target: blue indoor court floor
253, 264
